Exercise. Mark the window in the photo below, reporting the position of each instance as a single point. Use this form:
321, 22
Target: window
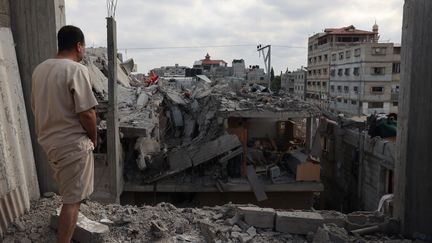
325, 71
324, 84
341, 55
396, 67
347, 71
339, 100
333, 72
310, 60
395, 103
377, 89
345, 101
314, 72
318, 83
340, 71
378, 70
356, 71
320, 58
353, 102
310, 72
310, 48
357, 52
325, 57
309, 83
339, 88
315, 59
376, 105
333, 57
346, 89
313, 83
319, 71
332, 88
379, 50
355, 88
348, 54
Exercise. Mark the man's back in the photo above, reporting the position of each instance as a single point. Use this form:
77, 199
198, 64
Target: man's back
60, 90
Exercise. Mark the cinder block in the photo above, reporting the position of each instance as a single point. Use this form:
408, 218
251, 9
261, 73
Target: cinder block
259, 217
298, 222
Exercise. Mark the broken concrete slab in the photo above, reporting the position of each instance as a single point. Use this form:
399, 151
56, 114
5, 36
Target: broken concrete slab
86, 230
259, 217
142, 100
298, 222
256, 185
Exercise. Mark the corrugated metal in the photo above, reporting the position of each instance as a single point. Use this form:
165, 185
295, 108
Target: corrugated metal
12, 206
18, 180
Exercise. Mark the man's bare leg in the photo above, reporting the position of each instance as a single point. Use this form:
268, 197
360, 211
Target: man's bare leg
67, 222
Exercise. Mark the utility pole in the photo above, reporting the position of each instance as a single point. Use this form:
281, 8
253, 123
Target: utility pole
267, 61
113, 137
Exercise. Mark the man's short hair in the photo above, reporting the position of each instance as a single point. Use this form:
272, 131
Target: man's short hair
68, 36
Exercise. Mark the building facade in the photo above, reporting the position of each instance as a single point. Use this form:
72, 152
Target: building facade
364, 79
239, 68
287, 81
299, 82
319, 48
255, 74
170, 71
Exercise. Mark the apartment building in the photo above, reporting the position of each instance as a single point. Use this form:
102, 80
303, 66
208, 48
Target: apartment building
299, 82
170, 71
320, 46
287, 81
255, 74
364, 79
239, 68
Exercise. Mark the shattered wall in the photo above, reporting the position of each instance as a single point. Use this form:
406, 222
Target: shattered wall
357, 169
18, 180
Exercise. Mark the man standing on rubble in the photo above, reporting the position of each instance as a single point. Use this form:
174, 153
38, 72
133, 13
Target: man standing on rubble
64, 108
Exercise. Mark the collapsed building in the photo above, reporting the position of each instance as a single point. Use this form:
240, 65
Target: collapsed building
210, 138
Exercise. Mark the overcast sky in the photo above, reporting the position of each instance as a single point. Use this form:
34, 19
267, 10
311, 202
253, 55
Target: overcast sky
285, 24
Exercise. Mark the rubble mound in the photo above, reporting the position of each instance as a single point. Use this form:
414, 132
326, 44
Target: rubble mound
167, 223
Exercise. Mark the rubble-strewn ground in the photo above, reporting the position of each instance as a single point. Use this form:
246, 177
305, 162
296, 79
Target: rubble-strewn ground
167, 223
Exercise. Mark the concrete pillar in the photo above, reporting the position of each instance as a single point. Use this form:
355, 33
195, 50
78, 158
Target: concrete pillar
4, 13
34, 26
413, 192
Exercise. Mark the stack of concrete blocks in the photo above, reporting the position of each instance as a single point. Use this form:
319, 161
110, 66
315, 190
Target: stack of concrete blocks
293, 222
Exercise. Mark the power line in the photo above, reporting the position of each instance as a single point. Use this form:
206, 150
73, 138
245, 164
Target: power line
203, 46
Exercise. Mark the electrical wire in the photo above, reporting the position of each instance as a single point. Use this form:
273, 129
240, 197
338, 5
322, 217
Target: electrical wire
204, 46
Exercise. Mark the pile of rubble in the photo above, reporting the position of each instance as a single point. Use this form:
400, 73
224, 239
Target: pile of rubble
228, 223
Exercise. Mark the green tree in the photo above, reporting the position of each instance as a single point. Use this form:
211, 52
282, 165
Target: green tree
276, 83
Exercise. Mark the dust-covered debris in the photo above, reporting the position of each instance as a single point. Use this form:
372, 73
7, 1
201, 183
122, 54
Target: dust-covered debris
167, 223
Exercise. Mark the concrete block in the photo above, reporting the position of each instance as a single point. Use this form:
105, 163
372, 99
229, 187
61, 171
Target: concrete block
86, 229
336, 218
298, 222
259, 217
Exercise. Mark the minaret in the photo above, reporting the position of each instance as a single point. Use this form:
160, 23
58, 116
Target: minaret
207, 57
375, 30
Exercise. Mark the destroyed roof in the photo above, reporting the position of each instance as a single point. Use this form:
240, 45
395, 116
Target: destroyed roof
348, 30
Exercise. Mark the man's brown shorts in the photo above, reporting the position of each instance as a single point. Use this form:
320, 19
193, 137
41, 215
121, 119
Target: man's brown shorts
73, 167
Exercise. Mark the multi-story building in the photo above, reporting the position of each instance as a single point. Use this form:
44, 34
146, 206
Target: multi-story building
255, 74
319, 48
170, 71
213, 68
287, 81
239, 68
364, 79
299, 82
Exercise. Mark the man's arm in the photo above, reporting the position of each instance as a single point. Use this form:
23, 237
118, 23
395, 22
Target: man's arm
88, 121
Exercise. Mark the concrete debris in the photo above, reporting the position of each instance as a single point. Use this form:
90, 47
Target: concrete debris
86, 230
128, 66
167, 223
259, 217
298, 222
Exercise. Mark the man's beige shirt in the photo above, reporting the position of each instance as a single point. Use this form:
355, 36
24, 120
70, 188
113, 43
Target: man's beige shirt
60, 90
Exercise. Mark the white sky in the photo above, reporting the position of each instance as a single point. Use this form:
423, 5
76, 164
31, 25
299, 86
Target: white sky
285, 24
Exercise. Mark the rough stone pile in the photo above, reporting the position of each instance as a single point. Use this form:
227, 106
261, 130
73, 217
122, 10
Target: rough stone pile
228, 223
